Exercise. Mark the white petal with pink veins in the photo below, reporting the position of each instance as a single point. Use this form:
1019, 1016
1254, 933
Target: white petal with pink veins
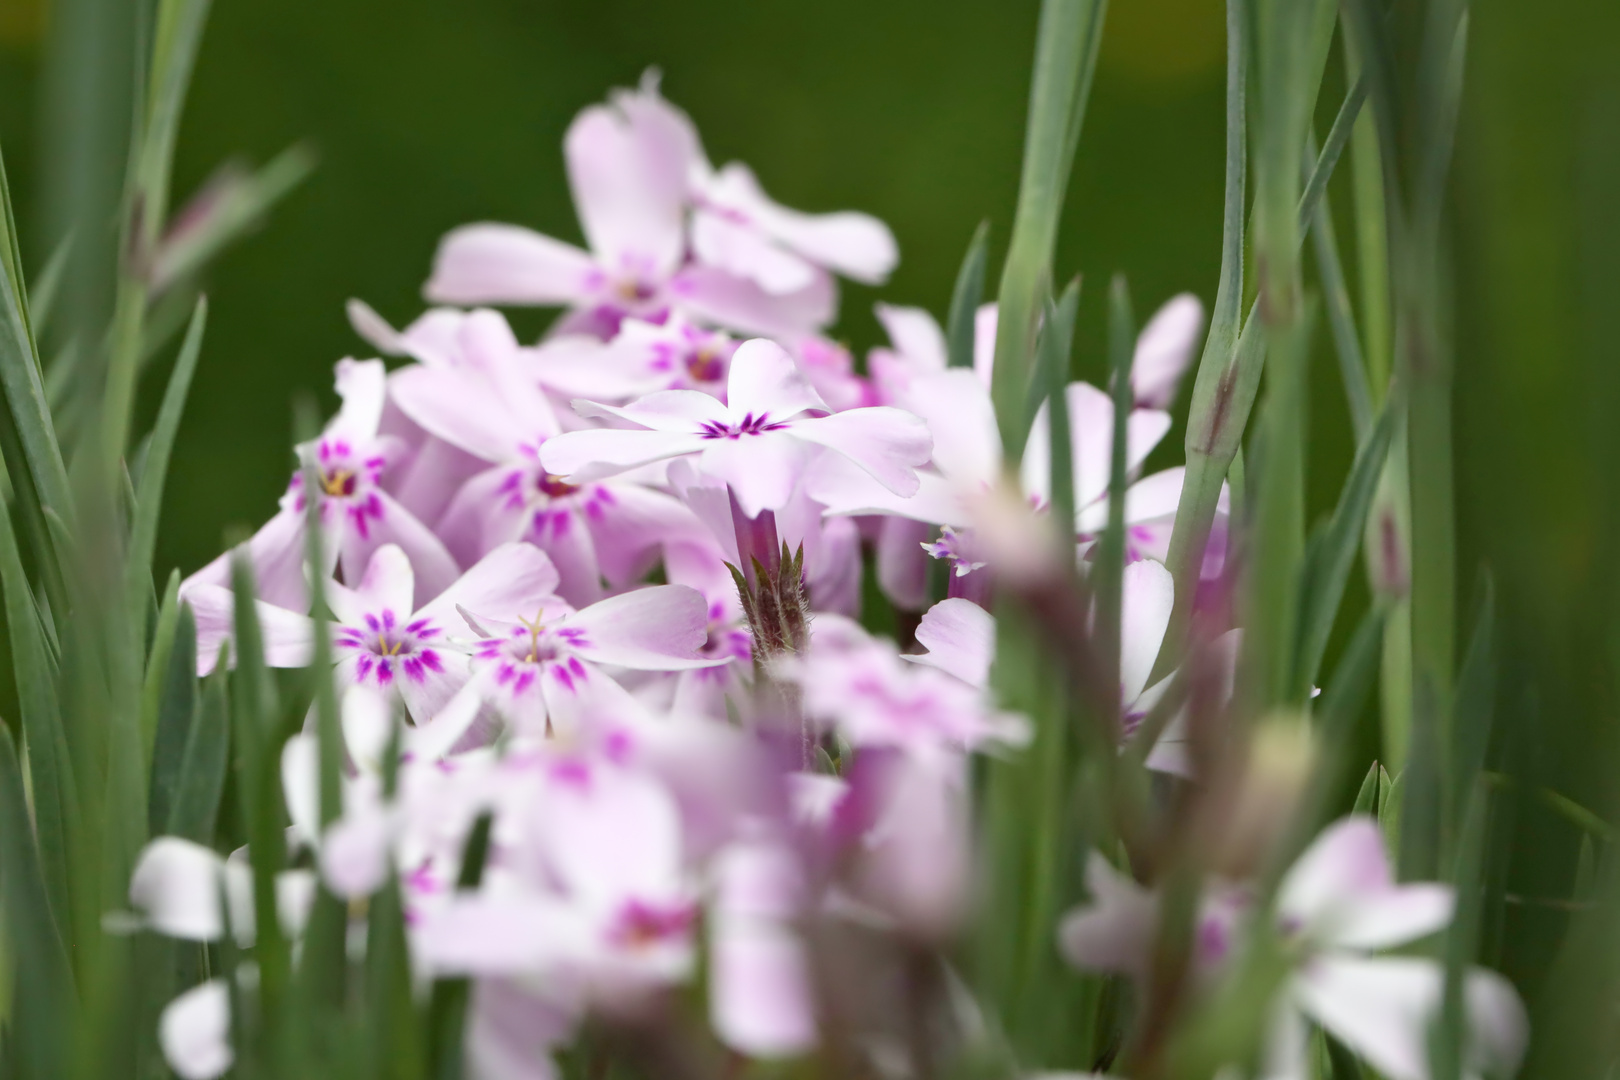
762, 470
507, 264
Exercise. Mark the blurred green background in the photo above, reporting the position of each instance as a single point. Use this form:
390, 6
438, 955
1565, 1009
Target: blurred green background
428, 113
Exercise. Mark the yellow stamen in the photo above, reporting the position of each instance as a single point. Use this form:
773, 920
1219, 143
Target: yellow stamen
334, 484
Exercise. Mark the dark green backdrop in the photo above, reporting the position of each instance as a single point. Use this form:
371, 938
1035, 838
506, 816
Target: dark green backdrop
428, 113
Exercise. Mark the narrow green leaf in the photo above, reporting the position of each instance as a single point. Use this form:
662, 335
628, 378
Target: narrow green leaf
1057, 344
1337, 712
1109, 568
1316, 179
230, 205
447, 1007
1391, 796
49, 766
966, 297
174, 54
1448, 1035
1346, 342
155, 465
194, 806
1471, 708
1367, 796
43, 291
173, 688
1332, 555
43, 1015
1065, 58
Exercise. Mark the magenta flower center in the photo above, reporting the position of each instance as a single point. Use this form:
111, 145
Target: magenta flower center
388, 650
640, 925
748, 425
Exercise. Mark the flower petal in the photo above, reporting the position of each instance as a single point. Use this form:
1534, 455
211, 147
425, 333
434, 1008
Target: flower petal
735, 247
960, 637
195, 1032
363, 386
1163, 350
890, 444
583, 456
1115, 932
683, 411
762, 470
511, 581
1402, 913
288, 637
856, 245
967, 441
506, 264
764, 381
176, 886
1344, 865
916, 336
1380, 1007
459, 407
1147, 597
629, 190
655, 629
742, 305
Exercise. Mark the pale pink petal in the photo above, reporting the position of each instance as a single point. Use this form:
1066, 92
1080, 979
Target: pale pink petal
759, 991
1148, 593
1151, 499
916, 336
843, 487
612, 834
507, 264
960, 637
435, 738
195, 1032
984, 342
1343, 866
480, 934
1163, 350
388, 583
434, 567
459, 407
429, 480
902, 564
655, 629
430, 339
511, 581
580, 366
565, 538
629, 522
853, 244
765, 381
742, 305
967, 442
1091, 434
511, 1031
1380, 1008
363, 387
288, 637
176, 886
276, 553
355, 852
583, 456
740, 249
1499, 1028
762, 470
1393, 917
1114, 933
917, 862
665, 410
889, 443
629, 192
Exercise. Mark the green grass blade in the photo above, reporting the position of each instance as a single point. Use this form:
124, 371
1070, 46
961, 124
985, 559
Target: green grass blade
1327, 568
1109, 568
49, 766
1056, 346
173, 695
1219, 385
1367, 795
194, 807
1065, 58
1472, 708
44, 1014
155, 465
1337, 712
174, 54
1346, 342
232, 205
43, 291
1316, 179
966, 297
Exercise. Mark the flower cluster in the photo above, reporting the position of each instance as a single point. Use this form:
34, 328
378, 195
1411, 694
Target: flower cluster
595, 597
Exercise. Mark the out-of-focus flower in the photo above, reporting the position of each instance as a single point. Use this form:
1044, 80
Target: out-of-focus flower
1164, 349
176, 887
630, 165
759, 442
195, 1032
356, 514
1338, 904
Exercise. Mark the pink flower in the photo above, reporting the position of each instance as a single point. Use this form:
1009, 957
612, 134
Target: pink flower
490, 407
760, 441
543, 672
629, 165
357, 515
760, 997
378, 640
